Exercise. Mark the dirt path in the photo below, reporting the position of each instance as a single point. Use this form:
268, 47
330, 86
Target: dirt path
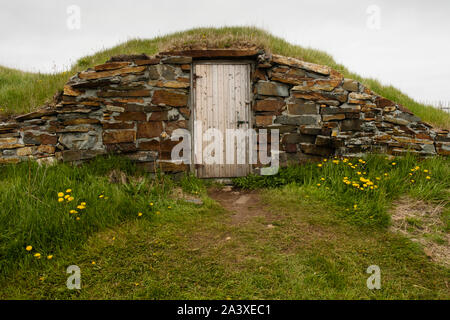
244, 205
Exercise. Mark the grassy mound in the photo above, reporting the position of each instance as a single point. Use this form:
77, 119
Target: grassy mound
22, 92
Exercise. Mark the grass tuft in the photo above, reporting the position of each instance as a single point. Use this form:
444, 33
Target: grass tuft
362, 190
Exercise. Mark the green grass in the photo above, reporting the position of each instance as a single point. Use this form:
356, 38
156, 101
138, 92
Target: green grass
22, 92
31, 214
367, 207
183, 253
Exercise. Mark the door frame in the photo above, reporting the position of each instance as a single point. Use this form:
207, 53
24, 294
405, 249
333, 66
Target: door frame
192, 99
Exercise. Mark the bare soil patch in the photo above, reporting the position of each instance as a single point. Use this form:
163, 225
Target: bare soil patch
244, 205
421, 222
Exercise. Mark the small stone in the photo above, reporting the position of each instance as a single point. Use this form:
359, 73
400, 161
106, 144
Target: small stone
119, 136
267, 88
169, 98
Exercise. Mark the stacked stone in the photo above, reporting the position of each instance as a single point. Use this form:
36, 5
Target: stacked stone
321, 113
131, 105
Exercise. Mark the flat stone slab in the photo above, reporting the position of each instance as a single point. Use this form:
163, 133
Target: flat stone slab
242, 199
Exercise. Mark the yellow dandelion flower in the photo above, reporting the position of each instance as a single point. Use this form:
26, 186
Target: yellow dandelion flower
385, 174
70, 199
37, 255
355, 206
80, 207
29, 248
412, 181
428, 177
319, 165
323, 179
151, 203
318, 184
324, 160
140, 214
358, 173
425, 170
93, 262
67, 196
417, 168
101, 196
60, 194
73, 211
378, 178
393, 163
68, 190
169, 207
77, 218
410, 174
60, 199
83, 204
157, 212
50, 257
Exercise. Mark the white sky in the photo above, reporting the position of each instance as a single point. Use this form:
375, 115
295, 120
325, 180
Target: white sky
410, 50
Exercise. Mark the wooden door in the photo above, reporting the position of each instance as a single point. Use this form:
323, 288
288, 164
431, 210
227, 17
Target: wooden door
221, 101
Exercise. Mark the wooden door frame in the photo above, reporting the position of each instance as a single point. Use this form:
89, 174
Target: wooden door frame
192, 99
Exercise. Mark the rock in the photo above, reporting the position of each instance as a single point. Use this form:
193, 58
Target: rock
269, 105
77, 155
173, 125
110, 73
111, 65
126, 93
131, 116
297, 138
301, 107
317, 85
316, 150
298, 120
149, 129
323, 141
350, 85
324, 70
177, 60
31, 138
395, 120
242, 200
150, 61
330, 117
169, 98
119, 136
310, 130
9, 160
262, 121
267, 88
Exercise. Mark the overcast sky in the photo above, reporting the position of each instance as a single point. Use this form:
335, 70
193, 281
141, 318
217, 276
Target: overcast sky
405, 43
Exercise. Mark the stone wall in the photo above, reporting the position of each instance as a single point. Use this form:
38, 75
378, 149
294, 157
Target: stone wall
131, 105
